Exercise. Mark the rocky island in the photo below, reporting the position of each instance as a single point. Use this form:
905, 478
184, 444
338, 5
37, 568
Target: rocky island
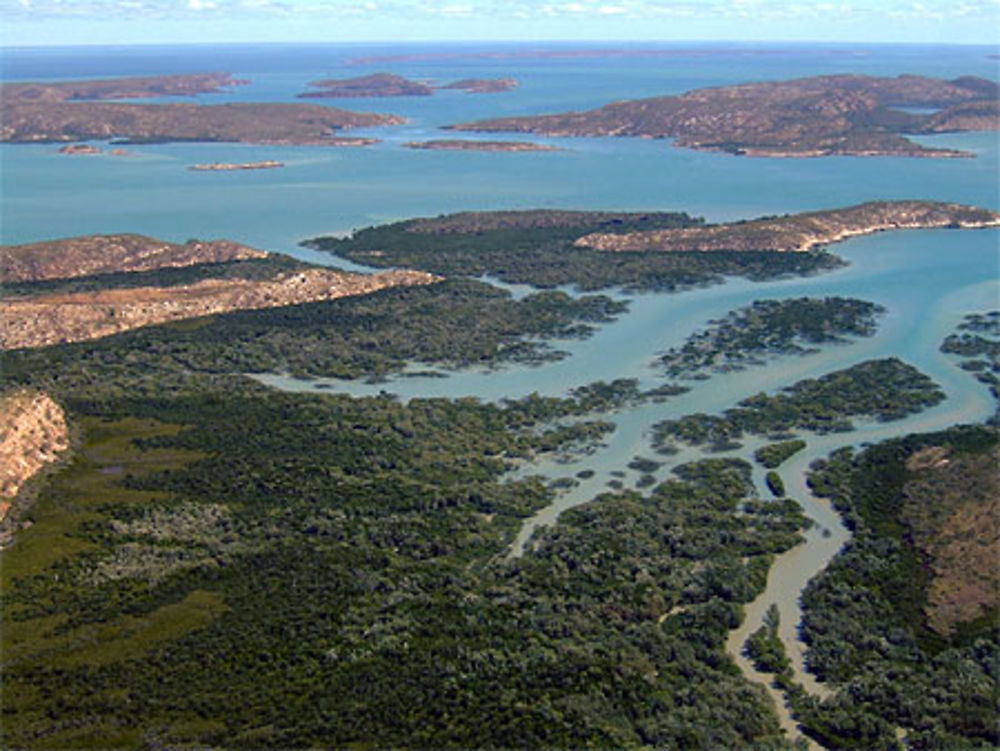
233, 166
482, 85
375, 85
807, 117
79, 149
37, 319
799, 232
457, 144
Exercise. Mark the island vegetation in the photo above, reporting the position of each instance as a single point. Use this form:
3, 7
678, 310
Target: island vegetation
774, 455
886, 389
769, 327
976, 343
134, 87
806, 117
393, 85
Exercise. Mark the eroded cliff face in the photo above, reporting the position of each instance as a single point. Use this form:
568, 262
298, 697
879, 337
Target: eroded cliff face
33, 432
800, 232
105, 254
54, 319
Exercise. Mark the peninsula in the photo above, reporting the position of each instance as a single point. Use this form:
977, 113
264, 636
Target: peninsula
806, 117
799, 232
244, 122
457, 144
43, 318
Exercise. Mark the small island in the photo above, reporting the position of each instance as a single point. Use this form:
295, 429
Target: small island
79, 149
230, 167
482, 85
457, 144
375, 85
392, 85
806, 117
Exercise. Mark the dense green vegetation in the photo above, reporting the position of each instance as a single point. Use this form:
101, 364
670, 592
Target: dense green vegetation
977, 343
774, 455
775, 484
251, 269
770, 327
886, 389
537, 248
765, 648
226, 566
865, 616
455, 323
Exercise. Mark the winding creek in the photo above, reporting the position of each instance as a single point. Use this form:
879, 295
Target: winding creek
927, 280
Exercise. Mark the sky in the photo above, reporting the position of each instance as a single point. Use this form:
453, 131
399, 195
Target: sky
53, 22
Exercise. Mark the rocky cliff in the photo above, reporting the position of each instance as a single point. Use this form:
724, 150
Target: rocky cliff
33, 432
799, 232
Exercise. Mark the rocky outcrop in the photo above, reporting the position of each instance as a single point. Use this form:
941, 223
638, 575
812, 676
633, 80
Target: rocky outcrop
33, 432
55, 319
820, 116
799, 232
76, 149
277, 123
140, 87
105, 254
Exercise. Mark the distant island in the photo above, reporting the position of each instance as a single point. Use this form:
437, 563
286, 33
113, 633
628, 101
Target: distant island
63, 113
80, 149
230, 167
391, 85
467, 145
483, 85
806, 117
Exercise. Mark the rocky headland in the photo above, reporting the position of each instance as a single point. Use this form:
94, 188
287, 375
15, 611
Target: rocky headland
457, 144
808, 117
799, 232
143, 87
34, 433
107, 254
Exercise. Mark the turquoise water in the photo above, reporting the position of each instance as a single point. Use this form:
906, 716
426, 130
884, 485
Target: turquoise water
926, 279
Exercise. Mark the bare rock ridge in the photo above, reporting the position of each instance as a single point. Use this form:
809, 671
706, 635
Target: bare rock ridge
51, 318
799, 232
806, 117
33, 432
104, 254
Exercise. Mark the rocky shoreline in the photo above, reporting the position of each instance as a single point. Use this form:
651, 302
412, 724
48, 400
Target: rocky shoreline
233, 166
468, 145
